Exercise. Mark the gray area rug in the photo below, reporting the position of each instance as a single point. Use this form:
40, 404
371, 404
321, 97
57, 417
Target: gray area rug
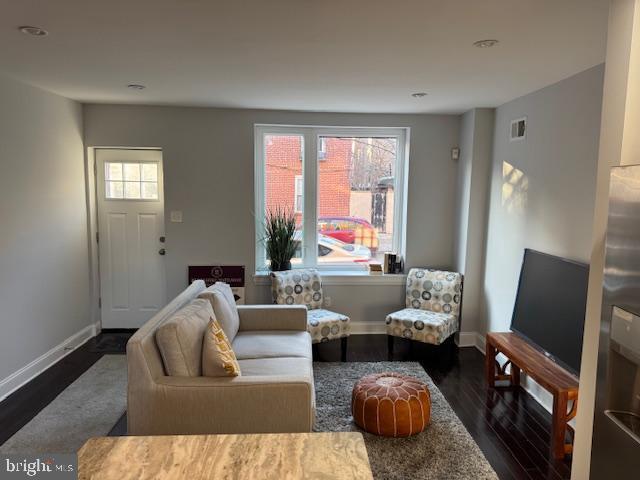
444, 451
89, 407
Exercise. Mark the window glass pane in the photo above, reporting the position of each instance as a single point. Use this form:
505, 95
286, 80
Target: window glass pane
298, 202
132, 172
150, 190
322, 148
149, 172
355, 195
113, 171
131, 189
284, 181
114, 190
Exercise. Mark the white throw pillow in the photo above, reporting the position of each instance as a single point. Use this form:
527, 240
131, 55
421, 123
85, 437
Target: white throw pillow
224, 307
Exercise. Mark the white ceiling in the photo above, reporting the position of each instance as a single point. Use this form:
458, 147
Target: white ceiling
327, 55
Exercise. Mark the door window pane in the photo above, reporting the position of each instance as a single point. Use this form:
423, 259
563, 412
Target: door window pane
114, 171
131, 181
355, 198
149, 190
284, 181
115, 190
132, 190
131, 172
149, 172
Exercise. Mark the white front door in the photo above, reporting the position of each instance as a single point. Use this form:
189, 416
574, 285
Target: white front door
130, 235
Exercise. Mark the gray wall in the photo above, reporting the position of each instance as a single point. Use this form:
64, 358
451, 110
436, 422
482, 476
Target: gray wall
44, 270
209, 160
474, 176
542, 188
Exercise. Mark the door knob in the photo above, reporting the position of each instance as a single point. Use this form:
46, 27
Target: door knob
162, 251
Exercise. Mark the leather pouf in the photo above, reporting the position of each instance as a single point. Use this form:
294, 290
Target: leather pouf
391, 404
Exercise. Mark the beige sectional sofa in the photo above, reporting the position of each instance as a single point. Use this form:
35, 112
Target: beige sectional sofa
274, 393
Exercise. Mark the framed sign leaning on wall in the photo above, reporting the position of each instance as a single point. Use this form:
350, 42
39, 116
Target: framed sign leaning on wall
231, 274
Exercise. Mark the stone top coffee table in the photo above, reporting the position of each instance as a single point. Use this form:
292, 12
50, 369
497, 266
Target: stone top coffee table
391, 404
339, 455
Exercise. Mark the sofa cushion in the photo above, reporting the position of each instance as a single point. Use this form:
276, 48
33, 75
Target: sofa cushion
272, 344
284, 366
218, 359
224, 306
180, 337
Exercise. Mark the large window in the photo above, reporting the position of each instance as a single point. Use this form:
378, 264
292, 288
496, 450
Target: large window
347, 193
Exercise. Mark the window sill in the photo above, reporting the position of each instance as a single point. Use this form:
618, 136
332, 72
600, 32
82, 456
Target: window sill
345, 278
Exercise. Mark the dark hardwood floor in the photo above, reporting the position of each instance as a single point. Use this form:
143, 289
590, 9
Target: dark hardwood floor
22, 405
510, 427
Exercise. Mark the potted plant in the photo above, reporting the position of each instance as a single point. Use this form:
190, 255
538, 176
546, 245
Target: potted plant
280, 227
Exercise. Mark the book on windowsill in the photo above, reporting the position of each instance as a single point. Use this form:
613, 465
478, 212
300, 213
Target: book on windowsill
375, 269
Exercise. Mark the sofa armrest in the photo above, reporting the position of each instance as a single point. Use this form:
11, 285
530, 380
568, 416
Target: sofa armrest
244, 404
273, 317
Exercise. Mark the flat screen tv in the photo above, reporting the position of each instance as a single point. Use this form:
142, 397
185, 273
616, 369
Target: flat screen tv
550, 306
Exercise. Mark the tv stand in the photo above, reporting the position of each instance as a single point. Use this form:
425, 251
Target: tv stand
521, 355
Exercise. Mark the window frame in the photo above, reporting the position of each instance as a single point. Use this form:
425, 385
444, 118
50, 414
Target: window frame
310, 174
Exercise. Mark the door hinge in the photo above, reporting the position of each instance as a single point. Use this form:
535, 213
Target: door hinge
99, 302
97, 237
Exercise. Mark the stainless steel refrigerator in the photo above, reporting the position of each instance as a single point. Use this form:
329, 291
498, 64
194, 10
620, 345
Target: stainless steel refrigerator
616, 435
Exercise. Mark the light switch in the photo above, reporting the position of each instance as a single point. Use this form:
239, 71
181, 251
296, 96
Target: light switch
176, 216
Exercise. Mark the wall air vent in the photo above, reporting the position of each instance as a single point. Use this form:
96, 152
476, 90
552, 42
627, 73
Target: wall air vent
518, 129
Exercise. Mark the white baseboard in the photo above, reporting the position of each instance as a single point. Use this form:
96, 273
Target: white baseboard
368, 328
19, 378
467, 339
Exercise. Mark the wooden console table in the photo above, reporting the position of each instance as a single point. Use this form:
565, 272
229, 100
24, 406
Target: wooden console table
340, 455
521, 355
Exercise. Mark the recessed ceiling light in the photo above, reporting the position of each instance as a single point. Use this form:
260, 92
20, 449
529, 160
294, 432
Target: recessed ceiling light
419, 94
485, 43
136, 86
35, 31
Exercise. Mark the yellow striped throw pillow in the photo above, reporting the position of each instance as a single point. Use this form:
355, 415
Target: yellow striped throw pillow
218, 358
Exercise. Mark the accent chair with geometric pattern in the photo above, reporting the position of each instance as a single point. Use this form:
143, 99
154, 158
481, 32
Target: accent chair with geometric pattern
433, 305
304, 287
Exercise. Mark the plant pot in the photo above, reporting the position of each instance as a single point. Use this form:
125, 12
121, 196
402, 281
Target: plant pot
280, 267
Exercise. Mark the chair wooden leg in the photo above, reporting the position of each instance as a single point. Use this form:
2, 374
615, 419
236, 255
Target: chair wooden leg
343, 349
390, 346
